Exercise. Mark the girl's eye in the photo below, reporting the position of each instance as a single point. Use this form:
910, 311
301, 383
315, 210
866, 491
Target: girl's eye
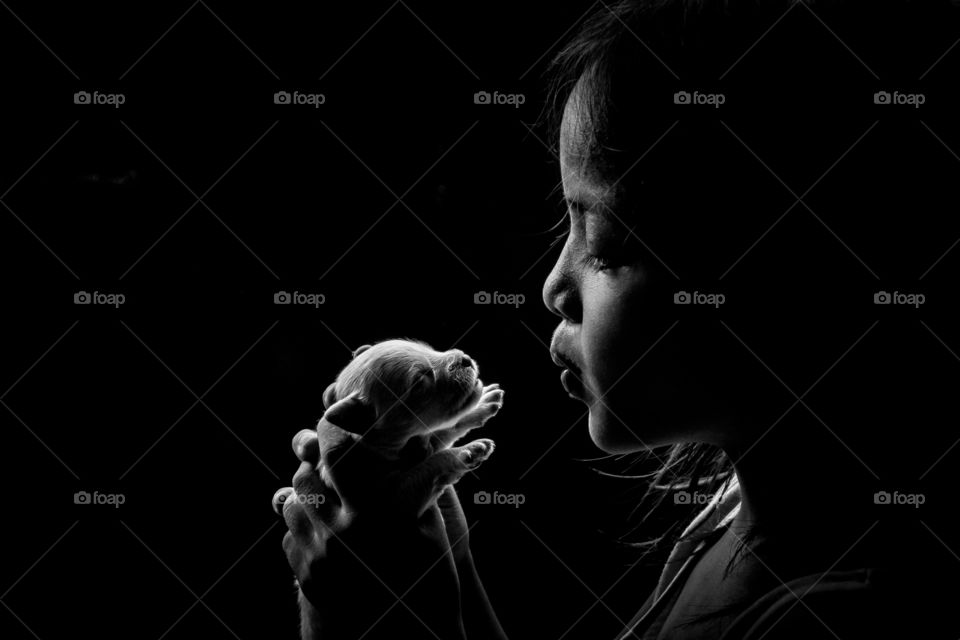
602, 238
599, 263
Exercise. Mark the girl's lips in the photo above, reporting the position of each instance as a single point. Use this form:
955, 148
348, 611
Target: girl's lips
572, 384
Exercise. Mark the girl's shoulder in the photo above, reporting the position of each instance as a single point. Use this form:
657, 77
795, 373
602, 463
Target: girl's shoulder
721, 509
856, 603
853, 602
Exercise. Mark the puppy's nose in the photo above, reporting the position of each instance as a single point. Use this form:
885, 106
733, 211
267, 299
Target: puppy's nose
460, 359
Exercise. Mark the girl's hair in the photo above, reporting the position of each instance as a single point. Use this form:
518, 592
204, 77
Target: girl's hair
621, 78
631, 56
626, 62
625, 56
690, 468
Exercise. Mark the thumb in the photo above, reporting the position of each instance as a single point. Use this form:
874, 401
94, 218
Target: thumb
351, 414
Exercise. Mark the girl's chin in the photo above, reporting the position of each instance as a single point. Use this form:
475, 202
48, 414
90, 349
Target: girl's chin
612, 436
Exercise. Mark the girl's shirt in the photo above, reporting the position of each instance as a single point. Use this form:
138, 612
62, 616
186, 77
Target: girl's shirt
695, 600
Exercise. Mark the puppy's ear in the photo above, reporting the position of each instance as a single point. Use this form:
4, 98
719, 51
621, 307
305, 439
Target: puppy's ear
361, 349
330, 395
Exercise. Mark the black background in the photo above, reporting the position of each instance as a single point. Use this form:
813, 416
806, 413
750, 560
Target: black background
185, 398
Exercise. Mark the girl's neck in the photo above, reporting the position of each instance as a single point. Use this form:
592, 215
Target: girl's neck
789, 489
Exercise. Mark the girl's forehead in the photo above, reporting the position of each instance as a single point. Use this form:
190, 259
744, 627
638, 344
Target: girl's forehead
575, 128
580, 171
574, 156
580, 164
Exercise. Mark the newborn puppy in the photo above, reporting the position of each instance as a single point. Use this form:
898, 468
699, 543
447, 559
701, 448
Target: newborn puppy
420, 394
423, 402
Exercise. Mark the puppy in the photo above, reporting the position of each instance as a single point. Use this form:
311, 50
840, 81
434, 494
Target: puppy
420, 397
422, 401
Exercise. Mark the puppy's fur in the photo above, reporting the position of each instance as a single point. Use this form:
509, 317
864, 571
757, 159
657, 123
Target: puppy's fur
417, 393
414, 390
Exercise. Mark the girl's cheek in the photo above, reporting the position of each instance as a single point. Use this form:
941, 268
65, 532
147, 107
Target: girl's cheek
612, 321
606, 306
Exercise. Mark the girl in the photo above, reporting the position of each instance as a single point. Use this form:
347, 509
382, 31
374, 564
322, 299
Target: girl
672, 357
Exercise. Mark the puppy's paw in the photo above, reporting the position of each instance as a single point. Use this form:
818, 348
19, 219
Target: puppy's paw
474, 453
492, 394
490, 402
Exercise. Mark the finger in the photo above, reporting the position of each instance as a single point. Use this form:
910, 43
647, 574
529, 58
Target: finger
317, 499
306, 445
449, 503
279, 498
349, 465
300, 552
293, 550
298, 522
332, 438
307, 480
344, 458
455, 522
330, 395
351, 414
453, 516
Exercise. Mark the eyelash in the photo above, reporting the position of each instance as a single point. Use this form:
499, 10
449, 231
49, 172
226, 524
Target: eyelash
592, 261
600, 264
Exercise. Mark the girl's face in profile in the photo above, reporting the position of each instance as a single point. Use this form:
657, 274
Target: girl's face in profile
627, 366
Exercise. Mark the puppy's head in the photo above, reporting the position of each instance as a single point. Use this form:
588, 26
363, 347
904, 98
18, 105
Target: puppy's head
412, 387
